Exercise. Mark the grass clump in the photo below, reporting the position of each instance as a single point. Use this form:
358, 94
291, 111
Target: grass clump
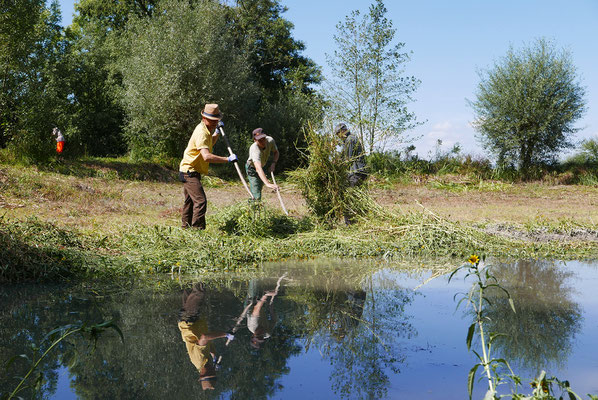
257, 220
323, 182
33, 250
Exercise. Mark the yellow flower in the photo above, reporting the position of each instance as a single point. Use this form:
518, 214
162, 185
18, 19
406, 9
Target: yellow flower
473, 259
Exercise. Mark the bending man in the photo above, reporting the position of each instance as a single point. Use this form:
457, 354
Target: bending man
259, 154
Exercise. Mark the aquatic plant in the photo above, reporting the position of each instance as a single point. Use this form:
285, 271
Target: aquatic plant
494, 368
61, 334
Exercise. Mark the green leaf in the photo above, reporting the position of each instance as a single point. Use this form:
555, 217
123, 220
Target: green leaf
13, 358
453, 273
470, 333
512, 305
471, 379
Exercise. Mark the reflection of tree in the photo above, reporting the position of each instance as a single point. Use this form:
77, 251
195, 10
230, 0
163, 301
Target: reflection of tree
357, 330
27, 314
542, 330
354, 324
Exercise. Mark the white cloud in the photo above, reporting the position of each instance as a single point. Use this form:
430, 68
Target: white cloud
450, 132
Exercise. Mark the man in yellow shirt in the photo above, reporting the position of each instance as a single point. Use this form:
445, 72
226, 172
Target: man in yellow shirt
195, 163
197, 337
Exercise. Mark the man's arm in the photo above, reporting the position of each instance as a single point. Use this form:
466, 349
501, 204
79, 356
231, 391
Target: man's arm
262, 175
275, 156
206, 338
212, 158
350, 149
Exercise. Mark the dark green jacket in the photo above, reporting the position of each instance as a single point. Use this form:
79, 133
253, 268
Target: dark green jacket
353, 150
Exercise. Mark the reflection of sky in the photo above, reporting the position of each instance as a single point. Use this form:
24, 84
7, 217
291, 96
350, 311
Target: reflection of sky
63, 386
437, 362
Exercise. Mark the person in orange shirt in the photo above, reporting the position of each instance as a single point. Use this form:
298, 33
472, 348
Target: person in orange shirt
59, 140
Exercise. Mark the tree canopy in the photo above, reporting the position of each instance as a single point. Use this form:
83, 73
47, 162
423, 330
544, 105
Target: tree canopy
369, 89
133, 76
527, 104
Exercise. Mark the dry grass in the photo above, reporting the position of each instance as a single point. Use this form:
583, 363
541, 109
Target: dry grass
91, 202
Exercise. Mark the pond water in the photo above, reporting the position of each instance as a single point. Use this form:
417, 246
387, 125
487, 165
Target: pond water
331, 330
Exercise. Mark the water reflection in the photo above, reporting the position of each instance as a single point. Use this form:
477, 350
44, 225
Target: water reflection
261, 317
193, 325
541, 333
352, 330
357, 326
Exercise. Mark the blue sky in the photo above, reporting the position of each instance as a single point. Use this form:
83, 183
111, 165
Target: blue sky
451, 41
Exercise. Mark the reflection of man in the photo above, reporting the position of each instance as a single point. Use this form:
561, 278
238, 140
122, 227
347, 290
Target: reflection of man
197, 337
262, 318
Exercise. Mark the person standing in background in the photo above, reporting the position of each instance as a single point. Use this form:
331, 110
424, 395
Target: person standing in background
59, 140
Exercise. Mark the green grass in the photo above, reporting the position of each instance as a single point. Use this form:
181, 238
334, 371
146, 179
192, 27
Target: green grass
100, 227
35, 250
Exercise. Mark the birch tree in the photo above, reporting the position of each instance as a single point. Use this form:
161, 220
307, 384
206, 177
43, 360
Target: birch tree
369, 89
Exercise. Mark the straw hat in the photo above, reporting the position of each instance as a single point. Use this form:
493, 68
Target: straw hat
211, 111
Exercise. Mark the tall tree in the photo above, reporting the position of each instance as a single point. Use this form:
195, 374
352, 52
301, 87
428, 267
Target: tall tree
171, 66
189, 53
369, 89
284, 77
527, 104
275, 56
31, 76
96, 117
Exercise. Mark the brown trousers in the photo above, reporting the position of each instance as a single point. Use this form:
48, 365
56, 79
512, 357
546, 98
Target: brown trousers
196, 204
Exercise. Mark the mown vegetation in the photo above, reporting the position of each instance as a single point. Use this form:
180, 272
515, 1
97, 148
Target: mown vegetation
56, 227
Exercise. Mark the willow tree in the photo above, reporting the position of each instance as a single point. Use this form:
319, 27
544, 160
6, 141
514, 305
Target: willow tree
527, 104
369, 89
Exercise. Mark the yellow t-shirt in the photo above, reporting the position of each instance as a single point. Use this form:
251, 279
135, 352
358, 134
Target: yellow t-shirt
191, 332
192, 160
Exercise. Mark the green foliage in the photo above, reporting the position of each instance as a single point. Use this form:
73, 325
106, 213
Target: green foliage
324, 182
589, 150
274, 55
174, 63
369, 89
32, 64
190, 53
133, 75
527, 104
396, 164
255, 219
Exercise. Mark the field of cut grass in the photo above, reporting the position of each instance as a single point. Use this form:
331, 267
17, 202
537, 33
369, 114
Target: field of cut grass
56, 223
